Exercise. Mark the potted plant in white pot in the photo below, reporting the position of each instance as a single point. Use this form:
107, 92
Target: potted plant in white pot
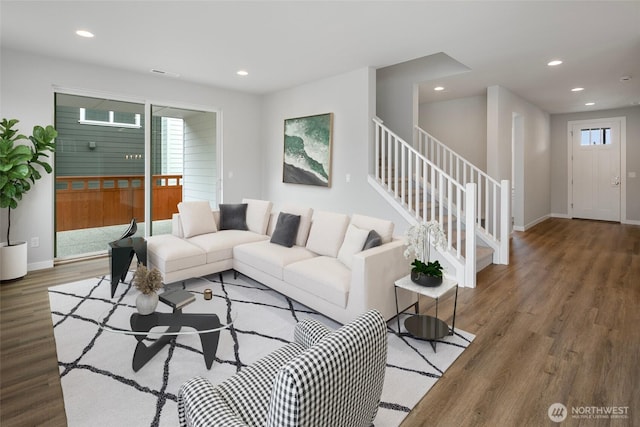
420, 237
148, 282
19, 164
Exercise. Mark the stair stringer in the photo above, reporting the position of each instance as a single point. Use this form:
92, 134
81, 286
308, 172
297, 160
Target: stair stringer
454, 266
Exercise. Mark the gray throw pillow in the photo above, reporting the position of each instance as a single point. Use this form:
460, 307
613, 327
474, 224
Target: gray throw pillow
286, 229
233, 216
373, 240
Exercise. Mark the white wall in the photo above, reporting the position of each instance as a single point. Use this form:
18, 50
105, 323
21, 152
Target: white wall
535, 157
559, 161
460, 124
397, 89
200, 171
348, 96
26, 87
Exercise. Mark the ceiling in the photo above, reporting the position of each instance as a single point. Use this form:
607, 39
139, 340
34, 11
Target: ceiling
284, 44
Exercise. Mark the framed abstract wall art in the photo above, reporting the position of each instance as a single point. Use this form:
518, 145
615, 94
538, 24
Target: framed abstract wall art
307, 150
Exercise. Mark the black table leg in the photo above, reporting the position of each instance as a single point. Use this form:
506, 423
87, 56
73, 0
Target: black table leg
175, 321
121, 254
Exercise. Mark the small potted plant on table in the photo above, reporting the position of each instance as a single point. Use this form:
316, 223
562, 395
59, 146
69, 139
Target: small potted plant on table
420, 237
148, 283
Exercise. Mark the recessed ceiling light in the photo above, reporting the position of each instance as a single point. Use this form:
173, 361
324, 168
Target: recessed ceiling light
242, 73
438, 88
577, 89
590, 103
85, 33
554, 63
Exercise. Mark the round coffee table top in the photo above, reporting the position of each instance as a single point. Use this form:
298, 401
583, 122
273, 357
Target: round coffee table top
426, 327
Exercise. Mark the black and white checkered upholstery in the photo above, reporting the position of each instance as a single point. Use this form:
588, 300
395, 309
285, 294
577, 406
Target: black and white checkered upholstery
323, 378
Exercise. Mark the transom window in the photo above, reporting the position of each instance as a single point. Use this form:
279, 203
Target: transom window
109, 118
595, 136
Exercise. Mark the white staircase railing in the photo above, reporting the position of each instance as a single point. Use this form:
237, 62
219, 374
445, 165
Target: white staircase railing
493, 207
429, 193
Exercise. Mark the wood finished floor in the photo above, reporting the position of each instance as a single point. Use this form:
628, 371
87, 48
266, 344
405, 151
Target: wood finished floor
561, 323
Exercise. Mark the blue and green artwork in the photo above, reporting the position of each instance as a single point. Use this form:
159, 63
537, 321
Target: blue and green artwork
307, 150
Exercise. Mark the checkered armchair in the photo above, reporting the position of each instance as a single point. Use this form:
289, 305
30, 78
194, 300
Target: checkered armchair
323, 378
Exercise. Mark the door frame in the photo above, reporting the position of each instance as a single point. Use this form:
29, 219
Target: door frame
622, 121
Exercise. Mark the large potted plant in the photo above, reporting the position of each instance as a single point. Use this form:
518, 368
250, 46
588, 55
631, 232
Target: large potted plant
19, 170
420, 238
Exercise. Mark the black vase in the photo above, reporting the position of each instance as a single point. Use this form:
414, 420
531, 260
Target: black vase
425, 280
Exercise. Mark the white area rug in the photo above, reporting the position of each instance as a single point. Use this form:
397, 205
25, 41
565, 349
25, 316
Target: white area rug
100, 387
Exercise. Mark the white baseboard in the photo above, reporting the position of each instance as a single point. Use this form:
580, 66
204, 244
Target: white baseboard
536, 222
40, 265
624, 221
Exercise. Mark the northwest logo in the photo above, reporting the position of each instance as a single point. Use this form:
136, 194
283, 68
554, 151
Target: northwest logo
557, 412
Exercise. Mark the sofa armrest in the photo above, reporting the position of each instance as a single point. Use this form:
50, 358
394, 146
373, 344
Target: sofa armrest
308, 332
199, 404
373, 274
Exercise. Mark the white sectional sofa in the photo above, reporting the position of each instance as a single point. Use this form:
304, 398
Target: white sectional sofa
324, 268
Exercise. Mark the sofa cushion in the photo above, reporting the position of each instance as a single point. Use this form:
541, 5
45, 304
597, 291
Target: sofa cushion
382, 226
170, 253
219, 246
322, 276
286, 229
353, 243
233, 216
373, 240
258, 215
269, 257
196, 218
327, 233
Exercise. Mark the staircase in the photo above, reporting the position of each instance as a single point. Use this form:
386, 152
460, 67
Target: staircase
431, 182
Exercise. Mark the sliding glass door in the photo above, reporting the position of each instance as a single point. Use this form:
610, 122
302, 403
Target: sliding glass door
99, 167
184, 161
100, 164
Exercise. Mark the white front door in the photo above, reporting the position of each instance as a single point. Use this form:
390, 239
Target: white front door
596, 170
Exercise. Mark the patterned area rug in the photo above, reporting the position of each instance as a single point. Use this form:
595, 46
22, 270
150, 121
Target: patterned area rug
100, 387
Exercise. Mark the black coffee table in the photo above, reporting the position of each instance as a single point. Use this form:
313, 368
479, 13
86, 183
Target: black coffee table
207, 326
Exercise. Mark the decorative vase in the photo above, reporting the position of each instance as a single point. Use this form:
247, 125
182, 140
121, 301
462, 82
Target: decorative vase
147, 303
425, 280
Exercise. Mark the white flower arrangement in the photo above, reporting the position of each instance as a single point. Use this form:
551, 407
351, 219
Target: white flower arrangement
420, 237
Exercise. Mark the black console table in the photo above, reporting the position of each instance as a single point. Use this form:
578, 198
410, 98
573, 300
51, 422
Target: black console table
120, 255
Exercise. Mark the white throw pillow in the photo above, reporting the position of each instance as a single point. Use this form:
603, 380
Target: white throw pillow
196, 218
353, 243
327, 233
258, 212
382, 226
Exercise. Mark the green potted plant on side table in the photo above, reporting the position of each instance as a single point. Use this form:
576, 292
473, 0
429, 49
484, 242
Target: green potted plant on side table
19, 164
420, 237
